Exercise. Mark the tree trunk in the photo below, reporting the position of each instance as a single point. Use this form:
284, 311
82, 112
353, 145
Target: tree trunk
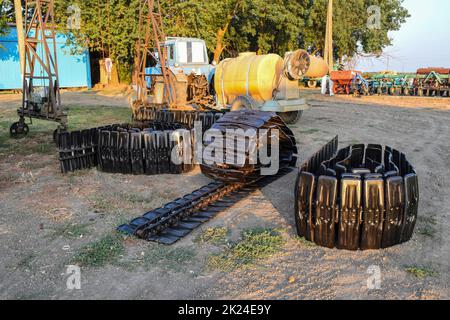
222, 31
219, 43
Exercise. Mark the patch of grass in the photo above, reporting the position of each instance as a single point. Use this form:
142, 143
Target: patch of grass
427, 231
44, 148
101, 203
310, 131
101, 252
26, 261
8, 177
69, 231
175, 259
421, 272
135, 198
305, 243
216, 236
255, 244
428, 220
40, 137
167, 258
81, 117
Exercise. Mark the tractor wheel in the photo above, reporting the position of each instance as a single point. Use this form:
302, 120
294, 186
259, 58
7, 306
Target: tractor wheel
392, 91
18, 128
312, 84
291, 117
244, 102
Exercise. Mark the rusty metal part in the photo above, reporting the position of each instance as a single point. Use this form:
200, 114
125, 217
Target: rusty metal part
360, 197
40, 67
151, 36
198, 91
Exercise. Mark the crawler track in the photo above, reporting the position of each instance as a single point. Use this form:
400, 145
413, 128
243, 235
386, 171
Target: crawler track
176, 219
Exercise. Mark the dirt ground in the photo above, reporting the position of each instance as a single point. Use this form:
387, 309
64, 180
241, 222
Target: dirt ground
47, 218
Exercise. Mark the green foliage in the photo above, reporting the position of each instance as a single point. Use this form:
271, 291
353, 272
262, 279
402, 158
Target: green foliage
216, 235
69, 231
107, 27
110, 27
5, 8
350, 32
421, 272
255, 245
101, 252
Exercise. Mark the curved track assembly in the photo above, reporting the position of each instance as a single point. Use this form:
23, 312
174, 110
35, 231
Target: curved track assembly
252, 135
361, 197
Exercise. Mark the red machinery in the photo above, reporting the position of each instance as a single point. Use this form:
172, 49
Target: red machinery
342, 80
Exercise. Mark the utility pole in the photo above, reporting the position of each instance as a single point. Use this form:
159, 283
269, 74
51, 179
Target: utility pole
20, 34
328, 55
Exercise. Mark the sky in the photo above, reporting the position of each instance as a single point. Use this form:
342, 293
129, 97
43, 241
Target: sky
422, 41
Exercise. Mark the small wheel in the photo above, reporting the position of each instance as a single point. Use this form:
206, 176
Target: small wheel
244, 103
312, 83
392, 91
291, 117
18, 128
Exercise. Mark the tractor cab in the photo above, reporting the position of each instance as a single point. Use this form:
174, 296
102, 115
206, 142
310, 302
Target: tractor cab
190, 71
185, 55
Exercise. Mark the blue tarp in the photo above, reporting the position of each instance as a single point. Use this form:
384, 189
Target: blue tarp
74, 67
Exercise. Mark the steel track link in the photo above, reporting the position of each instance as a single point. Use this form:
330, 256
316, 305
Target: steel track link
175, 220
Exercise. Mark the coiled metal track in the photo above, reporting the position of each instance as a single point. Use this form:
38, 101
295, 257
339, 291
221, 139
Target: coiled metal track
142, 148
361, 197
177, 218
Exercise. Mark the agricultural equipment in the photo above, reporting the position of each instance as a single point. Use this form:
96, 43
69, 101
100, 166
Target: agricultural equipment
360, 86
426, 82
342, 81
391, 84
432, 82
144, 148
311, 82
41, 95
178, 218
181, 77
360, 197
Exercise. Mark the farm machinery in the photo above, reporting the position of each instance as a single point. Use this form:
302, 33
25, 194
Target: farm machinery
176, 75
428, 82
244, 101
41, 97
432, 82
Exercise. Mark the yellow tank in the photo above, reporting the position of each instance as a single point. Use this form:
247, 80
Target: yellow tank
317, 68
249, 74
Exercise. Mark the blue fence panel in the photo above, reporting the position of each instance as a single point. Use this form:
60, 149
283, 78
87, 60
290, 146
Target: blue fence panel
74, 65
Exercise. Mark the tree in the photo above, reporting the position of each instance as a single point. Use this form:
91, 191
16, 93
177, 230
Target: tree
208, 20
110, 27
351, 34
268, 26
